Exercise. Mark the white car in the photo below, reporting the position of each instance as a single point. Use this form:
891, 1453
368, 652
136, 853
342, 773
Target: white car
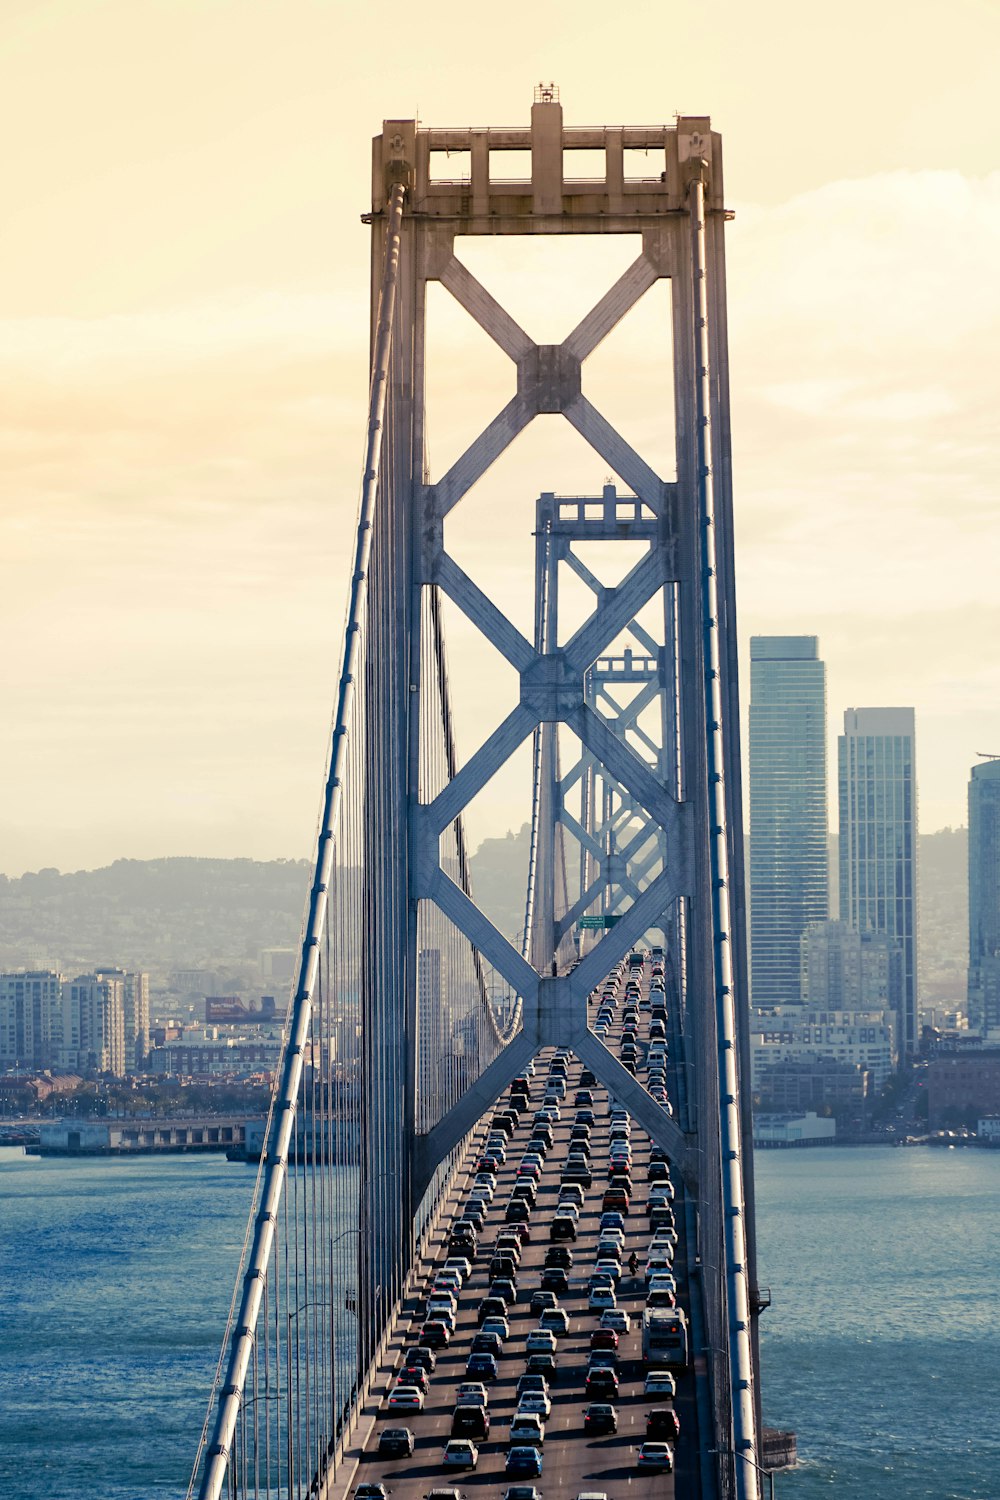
603, 1298
567, 1209
660, 1383
535, 1404
461, 1454
472, 1393
485, 1186
461, 1264
616, 1318
540, 1341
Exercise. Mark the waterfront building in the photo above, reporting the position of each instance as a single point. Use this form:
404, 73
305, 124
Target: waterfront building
94, 1023
30, 1019
984, 897
789, 886
789, 1035
963, 1086
878, 842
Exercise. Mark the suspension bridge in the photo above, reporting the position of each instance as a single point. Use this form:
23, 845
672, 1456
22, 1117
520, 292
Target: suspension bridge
397, 1046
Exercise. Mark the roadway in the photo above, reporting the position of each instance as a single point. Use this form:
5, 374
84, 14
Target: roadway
573, 1461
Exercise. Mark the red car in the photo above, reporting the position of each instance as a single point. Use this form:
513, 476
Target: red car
604, 1338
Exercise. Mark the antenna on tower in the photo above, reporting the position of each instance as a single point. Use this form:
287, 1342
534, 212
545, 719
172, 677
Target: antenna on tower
987, 755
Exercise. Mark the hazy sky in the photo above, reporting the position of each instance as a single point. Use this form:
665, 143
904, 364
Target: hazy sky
183, 370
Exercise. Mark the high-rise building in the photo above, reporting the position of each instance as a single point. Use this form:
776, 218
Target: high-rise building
789, 883
94, 1021
878, 841
30, 1019
984, 896
843, 969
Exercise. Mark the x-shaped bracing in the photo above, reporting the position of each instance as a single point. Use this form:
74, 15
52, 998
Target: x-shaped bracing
552, 689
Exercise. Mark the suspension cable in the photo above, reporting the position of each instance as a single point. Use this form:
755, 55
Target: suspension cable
283, 1117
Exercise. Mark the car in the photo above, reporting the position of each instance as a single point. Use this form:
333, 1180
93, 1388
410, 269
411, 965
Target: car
474, 1212
505, 1288
603, 1338
471, 1421
602, 1298
517, 1211
656, 1456
482, 1365
420, 1354
496, 1325
536, 1402
588, 1079
524, 1460
435, 1335
601, 1381
660, 1383
503, 1264
484, 1184
527, 1427
571, 1192
521, 1492
441, 1312
540, 1340
472, 1393
610, 1266
545, 1297
560, 1256
371, 1491
568, 1208
583, 1097
616, 1318
609, 1250
612, 1232
600, 1417
414, 1375
555, 1320
461, 1453
542, 1363
487, 1343
563, 1227
663, 1423
448, 1281
461, 1264
491, 1307
531, 1383
395, 1442
406, 1398
439, 1297
532, 1170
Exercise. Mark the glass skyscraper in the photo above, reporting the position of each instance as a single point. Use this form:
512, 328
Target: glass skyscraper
789, 887
878, 842
984, 896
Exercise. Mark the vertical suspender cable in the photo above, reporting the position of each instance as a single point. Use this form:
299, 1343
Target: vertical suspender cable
283, 1118
737, 1284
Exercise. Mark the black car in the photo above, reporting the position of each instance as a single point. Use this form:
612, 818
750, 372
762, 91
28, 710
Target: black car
470, 1422
559, 1255
505, 1266
554, 1279
487, 1343
492, 1307
601, 1381
542, 1363
395, 1442
587, 1079
664, 1424
505, 1288
420, 1354
600, 1417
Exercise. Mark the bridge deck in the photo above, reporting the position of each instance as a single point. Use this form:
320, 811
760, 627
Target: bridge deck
573, 1461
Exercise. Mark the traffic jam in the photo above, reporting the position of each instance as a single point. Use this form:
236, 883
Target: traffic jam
551, 1354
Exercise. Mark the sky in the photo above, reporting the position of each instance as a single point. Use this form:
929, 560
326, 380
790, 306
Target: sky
183, 352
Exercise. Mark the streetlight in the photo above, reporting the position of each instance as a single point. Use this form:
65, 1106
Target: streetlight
768, 1473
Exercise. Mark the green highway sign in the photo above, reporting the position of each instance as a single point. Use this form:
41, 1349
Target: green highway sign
599, 922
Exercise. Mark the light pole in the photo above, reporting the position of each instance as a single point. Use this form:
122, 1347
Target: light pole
768, 1473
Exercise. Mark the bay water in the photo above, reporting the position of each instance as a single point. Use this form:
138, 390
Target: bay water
881, 1348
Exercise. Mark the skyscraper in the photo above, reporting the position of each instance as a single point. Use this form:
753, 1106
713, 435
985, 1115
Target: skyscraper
878, 841
984, 895
788, 821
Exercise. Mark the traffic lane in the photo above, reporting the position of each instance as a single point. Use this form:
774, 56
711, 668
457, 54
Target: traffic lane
571, 1460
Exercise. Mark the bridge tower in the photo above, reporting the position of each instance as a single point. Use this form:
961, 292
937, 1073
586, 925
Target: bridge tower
652, 843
